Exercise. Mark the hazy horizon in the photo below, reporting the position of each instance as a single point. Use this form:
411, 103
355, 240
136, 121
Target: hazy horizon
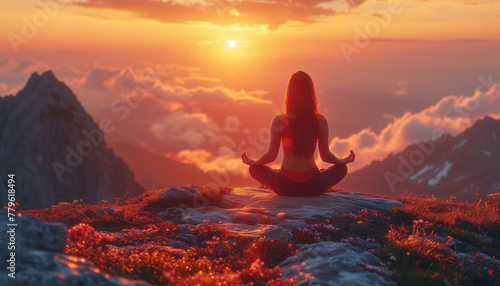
214, 73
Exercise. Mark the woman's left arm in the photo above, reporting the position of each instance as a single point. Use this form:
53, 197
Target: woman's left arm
274, 145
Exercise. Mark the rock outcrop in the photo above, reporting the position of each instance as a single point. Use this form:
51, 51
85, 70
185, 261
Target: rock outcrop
335, 263
260, 212
39, 259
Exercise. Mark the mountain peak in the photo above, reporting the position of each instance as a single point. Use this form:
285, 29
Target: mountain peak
60, 148
483, 127
451, 165
48, 76
486, 121
46, 84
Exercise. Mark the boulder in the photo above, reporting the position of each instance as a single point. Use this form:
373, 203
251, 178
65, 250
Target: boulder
176, 196
175, 193
190, 239
109, 211
334, 263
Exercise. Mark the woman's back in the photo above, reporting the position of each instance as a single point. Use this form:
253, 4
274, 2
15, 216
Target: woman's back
290, 161
299, 131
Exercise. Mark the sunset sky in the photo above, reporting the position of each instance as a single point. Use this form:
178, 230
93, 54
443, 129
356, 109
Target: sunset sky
214, 73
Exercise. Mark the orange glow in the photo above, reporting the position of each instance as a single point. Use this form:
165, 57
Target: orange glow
224, 66
95, 26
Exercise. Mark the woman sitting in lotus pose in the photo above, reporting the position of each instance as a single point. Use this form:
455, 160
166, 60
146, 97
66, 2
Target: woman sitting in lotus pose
298, 129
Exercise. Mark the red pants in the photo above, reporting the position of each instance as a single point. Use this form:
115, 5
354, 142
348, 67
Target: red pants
321, 180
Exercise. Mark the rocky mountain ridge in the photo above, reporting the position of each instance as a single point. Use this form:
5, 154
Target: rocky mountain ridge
56, 150
458, 166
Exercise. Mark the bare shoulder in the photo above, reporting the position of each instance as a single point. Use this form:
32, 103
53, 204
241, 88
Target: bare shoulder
322, 120
277, 123
278, 120
321, 117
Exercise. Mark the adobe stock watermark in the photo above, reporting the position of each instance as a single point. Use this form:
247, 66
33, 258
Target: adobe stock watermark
11, 224
371, 30
408, 166
93, 138
30, 26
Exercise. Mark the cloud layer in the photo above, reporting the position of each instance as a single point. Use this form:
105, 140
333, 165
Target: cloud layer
172, 110
176, 111
253, 13
452, 114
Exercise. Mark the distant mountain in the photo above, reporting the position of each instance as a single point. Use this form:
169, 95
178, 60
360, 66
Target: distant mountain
55, 149
153, 170
450, 166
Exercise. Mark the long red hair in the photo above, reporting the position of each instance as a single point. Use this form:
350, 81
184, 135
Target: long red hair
301, 110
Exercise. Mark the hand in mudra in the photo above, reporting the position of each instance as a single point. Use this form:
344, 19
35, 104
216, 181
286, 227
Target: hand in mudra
247, 160
350, 158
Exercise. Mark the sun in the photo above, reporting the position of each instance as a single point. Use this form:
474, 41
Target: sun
232, 43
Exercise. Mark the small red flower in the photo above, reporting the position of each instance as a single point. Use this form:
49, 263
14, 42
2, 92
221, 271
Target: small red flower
83, 234
277, 269
491, 272
418, 263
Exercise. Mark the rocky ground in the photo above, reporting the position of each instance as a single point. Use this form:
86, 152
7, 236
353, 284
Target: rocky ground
325, 247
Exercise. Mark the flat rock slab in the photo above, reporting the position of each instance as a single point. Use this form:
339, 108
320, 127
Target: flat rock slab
333, 263
254, 211
343, 202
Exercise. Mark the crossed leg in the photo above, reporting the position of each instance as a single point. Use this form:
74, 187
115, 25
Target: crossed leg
269, 177
264, 175
334, 174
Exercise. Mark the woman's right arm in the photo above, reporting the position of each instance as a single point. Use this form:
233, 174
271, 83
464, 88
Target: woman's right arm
274, 145
324, 150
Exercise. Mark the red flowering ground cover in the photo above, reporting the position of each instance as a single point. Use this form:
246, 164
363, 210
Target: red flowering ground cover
426, 242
